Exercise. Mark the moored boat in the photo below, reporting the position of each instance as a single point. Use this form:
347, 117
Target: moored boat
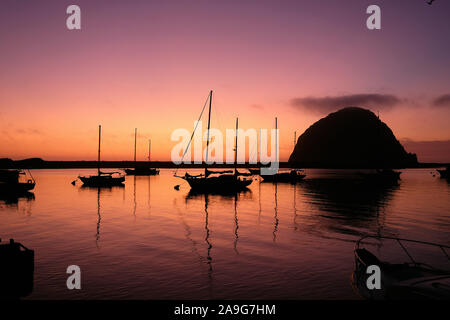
10, 182
141, 170
291, 176
16, 270
217, 181
102, 179
411, 279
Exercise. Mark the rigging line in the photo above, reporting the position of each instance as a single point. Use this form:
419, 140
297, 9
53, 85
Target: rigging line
195, 128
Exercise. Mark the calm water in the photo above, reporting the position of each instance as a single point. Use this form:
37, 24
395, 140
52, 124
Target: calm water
149, 241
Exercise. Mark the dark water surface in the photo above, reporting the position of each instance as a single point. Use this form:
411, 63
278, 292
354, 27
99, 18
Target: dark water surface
149, 241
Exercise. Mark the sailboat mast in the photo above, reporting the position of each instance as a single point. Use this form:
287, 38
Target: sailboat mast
209, 125
259, 147
149, 148
276, 139
99, 143
236, 147
135, 137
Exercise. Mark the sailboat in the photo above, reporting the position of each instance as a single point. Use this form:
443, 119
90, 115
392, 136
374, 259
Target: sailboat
102, 179
292, 176
217, 181
142, 170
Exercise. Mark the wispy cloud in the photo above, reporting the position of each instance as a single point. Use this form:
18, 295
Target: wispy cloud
328, 104
257, 106
29, 131
442, 101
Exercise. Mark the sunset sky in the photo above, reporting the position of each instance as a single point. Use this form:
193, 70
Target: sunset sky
151, 64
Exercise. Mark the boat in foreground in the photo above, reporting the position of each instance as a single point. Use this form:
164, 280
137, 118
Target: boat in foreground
16, 270
408, 280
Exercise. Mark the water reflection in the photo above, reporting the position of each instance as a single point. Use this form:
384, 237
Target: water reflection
13, 199
207, 197
347, 206
100, 190
217, 246
276, 221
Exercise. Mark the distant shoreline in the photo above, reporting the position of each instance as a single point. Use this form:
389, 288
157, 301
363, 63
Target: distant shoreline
42, 164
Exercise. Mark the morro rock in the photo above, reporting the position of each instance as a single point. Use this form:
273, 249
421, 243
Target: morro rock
350, 138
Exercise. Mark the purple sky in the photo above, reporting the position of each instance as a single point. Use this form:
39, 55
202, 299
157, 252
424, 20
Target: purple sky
150, 64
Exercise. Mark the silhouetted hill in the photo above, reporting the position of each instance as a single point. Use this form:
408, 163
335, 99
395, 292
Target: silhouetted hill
350, 138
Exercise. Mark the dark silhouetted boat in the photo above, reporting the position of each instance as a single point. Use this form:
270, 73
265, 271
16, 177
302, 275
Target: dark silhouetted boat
217, 181
11, 184
407, 280
141, 170
444, 173
102, 179
16, 270
290, 176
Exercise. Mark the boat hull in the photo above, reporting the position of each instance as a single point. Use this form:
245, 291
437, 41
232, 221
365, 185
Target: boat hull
142, 172
224, 183
17, 188
16, 270
102, 181
288, 177
407, 280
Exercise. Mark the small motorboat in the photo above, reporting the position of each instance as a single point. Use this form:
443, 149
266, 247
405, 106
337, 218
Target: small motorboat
292, 176
408, 280
16, 270
10, 182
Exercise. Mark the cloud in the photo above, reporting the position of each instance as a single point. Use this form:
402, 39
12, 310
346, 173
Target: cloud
442, 101
257, 106
328, 104
29, 131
